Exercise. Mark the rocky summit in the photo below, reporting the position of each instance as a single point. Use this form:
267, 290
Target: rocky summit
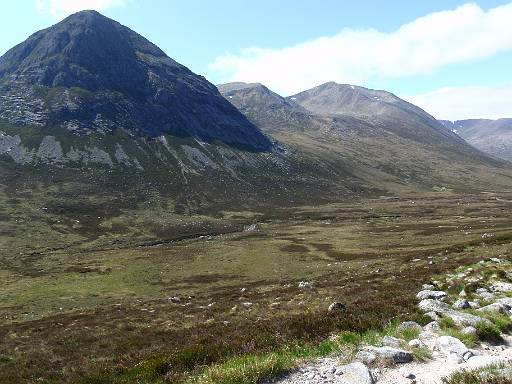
90, 73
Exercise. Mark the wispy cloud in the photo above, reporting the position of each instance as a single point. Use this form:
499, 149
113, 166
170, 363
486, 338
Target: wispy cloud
358, 56
458, 103
62, 8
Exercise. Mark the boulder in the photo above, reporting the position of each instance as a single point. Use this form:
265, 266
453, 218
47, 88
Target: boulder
502, 287
450, 345
407, 373
390, 341
356, 373
478, 362
507, 301
409, 325
417, 343
469, 331
494, 308
464, 319
391, 355
430, 305
366, 357
461, 304
432, 327
337, 307
454, 358
434, 316
484, 294
434, 295
305, 285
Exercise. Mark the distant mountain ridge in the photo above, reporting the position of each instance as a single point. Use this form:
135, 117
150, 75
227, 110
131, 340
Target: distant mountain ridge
373, 136
491, 136
350, 100
95, 118
90, 73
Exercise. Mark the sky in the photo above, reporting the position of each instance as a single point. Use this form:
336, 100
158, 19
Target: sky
452, 58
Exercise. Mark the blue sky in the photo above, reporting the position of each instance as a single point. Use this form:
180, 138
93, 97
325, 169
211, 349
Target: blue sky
451, 57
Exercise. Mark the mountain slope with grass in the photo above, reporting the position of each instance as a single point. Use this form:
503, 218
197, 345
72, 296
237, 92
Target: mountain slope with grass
491, 136
372, 135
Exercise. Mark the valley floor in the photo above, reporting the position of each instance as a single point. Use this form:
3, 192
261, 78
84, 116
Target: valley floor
161, 310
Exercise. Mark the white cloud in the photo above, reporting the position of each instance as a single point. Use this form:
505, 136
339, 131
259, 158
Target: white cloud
62, 8
358, 56
459, 103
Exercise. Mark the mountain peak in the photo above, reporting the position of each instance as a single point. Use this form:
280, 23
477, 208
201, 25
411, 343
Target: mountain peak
89, 72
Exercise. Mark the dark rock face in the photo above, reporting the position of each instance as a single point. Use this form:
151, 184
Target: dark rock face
90, 73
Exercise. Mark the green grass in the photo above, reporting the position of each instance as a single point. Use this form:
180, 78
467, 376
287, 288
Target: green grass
449, 328
108, 296
421, 354
251, 369
488, 332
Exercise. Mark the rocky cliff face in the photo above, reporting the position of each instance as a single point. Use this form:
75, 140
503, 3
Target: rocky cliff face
91, 74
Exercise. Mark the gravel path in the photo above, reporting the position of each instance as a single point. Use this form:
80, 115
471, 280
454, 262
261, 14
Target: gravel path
433, 371
331, 371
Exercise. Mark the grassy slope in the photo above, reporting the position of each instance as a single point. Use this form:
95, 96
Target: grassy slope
109, 301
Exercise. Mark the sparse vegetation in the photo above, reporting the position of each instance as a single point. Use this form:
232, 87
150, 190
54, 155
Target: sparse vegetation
112, 304
491, 375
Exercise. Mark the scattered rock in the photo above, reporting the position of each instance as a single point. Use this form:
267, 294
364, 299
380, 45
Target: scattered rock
451, 345
406, 372
391, 355
464, 319
494, 308
409, 325
357, 373
429, 305
434, 295
502, 287
477, 362
175, 299
417, 343
390, 341
366, 357
484, 294
454, 358
432, 327
247, 305
305, 285
434, 316
337, 307
467, 355
507, 301
461, 304
428, 287
469, 331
